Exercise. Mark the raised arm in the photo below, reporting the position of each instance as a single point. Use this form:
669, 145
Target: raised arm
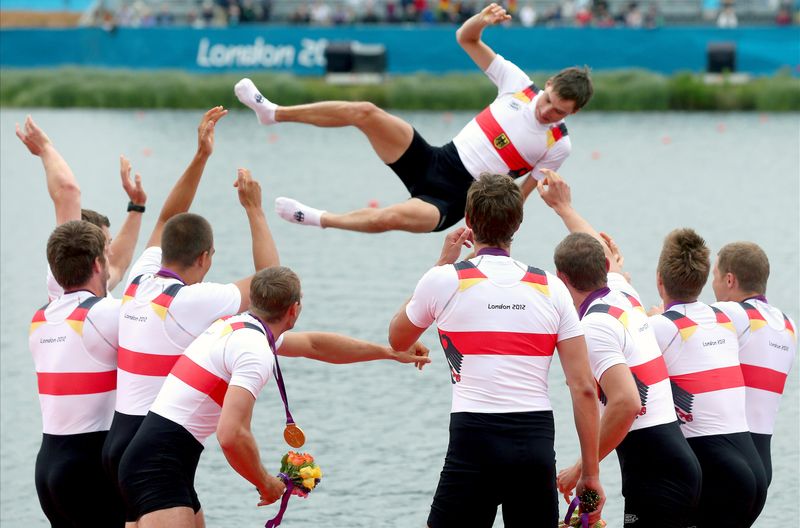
340, 349
575, 362
556, 193
265, 254
239, 445
61, 183
124, 244
469, 34
182, 194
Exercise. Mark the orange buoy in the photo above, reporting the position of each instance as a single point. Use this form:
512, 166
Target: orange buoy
373, 203
596, 155
666, 140
272, 138
146, 152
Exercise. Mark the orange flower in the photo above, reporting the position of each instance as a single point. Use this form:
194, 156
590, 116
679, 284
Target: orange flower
308, 458
295, 459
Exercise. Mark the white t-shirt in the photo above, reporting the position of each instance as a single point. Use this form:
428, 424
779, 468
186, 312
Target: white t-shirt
152, 337
702, 354
499, 325
514, 112
767, 348
193, 393
75, 355
618, 333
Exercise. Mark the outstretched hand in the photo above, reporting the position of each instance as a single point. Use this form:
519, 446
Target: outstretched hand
494, 14
205, 132
133, 188
567, 480
417, 354
249, 190
33, 137
453, 242
554, 190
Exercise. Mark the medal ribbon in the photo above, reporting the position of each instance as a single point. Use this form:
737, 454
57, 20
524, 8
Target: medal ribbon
276, 521
583, 516
276, 370
496, 251
166, 272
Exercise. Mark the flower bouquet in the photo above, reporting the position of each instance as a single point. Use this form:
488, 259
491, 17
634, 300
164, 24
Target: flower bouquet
301, 470
301, 475
579, 517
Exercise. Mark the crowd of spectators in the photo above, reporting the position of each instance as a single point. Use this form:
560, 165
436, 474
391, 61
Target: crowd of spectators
579, 13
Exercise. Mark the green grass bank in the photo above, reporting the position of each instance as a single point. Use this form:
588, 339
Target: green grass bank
630, 90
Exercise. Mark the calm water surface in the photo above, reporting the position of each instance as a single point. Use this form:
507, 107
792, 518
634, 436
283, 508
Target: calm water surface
379, 430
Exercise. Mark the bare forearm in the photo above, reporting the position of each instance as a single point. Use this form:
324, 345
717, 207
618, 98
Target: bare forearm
61, 185
182, 194
123, 246
584, 405
614, 426
243, 456
265, 253
471, 30
340, 349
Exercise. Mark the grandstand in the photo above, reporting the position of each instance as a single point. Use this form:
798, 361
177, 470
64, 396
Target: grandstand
144, 13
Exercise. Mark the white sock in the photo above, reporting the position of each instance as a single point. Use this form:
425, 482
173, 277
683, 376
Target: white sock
297, 213
249, 95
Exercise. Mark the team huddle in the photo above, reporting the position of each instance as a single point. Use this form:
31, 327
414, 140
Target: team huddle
687, 395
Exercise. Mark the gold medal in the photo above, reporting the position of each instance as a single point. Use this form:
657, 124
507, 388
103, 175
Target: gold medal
294, 436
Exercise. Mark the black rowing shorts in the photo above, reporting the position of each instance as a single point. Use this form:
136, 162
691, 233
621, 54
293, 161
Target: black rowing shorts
475, 478
435, 175
73, 488
123, 429
734, 481
762, 443
157, 470
661, 478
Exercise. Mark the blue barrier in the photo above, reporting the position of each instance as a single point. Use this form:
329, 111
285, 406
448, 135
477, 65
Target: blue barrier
760, 50
45, 5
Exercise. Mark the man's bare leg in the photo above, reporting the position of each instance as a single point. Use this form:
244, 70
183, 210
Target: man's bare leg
415, 216
389, 135
178, 517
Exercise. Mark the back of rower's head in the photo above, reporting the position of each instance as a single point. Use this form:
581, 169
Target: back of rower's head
684, 264
187, 245
73, 249
494, 209
748, 263
274, 292
573, 84
581, 260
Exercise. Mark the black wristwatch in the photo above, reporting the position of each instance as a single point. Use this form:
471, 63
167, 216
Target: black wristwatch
134, 207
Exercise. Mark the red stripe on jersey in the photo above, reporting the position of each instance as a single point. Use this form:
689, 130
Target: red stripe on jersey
557, 134
76, 383
788, 324
633, 300
753, 313
711, 380
763, 378
145, 364
651, 372
502, 143
531, 91
199, 378
502, 343
38, 317
164, 299
534, 277
470, 273
721, 317
130, 291
78, 314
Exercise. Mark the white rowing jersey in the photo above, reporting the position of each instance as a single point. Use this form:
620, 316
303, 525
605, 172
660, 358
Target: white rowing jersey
73, 341
767, 347
233, 351
618, 332
159, 318
702, 354
499, 322
506, 138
